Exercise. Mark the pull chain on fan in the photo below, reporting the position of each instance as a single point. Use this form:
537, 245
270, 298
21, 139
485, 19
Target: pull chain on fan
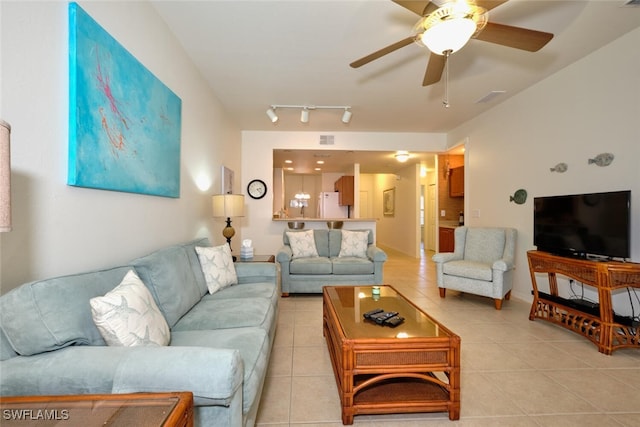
445, 101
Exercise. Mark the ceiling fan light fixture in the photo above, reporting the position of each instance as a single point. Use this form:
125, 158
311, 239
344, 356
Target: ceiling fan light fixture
271, 113
450, 27
451, 35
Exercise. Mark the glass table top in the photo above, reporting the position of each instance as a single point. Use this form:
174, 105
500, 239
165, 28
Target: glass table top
351, 302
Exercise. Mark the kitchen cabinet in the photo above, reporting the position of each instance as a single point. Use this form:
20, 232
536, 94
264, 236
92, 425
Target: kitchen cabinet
446, 239
456, 182
344, 187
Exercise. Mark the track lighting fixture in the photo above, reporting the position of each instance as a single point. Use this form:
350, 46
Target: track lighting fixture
271, 113
305, 109
346, 116
304, 115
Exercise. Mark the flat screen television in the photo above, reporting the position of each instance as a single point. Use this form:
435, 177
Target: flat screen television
584, 224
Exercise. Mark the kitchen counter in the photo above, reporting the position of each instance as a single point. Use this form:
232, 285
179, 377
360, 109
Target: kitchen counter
321, 223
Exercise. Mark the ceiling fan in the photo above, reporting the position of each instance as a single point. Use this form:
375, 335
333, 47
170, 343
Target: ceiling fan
447, 28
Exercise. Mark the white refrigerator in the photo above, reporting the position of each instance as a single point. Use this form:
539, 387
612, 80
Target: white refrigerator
328, 206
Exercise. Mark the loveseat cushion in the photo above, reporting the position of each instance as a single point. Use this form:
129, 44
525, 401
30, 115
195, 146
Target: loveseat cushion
170, 276
352, 265
320, 237
318, 265
54, 313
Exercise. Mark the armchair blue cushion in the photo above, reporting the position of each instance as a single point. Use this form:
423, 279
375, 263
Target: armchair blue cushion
482, 263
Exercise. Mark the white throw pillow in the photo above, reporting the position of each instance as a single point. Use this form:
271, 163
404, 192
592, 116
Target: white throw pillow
303, 244
354, 244
128, 316
218, 268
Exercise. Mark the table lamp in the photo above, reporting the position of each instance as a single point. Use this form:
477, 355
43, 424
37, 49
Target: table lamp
227, 206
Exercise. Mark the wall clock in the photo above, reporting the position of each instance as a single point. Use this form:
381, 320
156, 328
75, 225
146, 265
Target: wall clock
257, 189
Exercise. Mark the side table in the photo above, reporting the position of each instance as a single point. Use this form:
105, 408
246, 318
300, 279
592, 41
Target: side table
99, 410
258, 258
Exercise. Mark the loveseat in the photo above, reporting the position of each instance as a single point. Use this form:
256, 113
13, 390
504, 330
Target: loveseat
311, 259
218, 348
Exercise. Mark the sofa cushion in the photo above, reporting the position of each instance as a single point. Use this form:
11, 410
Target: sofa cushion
303, 244
318, 265
219, 313
352, 265
484, 244
469, 269
54, 313
217, 266
354, 244
171, 280
128, 316
254, 347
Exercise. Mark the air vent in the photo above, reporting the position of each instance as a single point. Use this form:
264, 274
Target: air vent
326, 139
489, 97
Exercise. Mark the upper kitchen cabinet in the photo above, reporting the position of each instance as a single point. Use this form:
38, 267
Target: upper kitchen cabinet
456, 182
344, 187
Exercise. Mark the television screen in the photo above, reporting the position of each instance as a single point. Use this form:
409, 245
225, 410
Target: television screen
584, 224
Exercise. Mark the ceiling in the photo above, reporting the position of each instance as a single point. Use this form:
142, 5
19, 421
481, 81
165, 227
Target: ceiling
258, 53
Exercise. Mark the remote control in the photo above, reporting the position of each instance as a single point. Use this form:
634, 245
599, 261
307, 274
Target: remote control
380, 318
394, 321
370, 313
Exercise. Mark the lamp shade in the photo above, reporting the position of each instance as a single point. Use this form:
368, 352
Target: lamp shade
5, 177
228, 205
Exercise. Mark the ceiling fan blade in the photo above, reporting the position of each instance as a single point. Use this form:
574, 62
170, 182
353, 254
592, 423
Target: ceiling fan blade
516, 37
420, 8
490, 4
382, 52
434, 69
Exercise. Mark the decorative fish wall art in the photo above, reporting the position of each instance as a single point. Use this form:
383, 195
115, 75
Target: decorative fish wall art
560, 168
602, 160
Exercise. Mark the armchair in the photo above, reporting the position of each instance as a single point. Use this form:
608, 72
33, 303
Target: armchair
482, 263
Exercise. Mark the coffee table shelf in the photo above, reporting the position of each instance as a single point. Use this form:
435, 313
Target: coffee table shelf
414, 367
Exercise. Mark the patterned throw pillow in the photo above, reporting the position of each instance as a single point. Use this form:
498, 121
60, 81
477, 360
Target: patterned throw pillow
302, 244
128, 316
354, 244
217, 265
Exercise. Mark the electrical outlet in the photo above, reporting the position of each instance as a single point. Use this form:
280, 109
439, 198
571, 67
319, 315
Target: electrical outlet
443, 213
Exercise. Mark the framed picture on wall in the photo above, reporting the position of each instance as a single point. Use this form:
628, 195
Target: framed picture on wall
227, 180
389, 202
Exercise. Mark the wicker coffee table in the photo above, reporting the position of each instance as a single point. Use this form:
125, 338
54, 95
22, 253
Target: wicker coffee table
414, 367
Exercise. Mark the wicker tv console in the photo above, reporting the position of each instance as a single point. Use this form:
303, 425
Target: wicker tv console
597, 323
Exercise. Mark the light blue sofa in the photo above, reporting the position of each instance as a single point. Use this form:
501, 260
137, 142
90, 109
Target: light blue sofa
310, 274
219, 349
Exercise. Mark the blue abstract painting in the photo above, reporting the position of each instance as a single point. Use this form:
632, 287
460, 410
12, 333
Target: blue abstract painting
124, 123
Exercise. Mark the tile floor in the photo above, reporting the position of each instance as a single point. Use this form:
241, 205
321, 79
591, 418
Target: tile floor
515, 372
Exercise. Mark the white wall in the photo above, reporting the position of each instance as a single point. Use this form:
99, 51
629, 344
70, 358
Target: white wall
58, 229
257, 162
590, 107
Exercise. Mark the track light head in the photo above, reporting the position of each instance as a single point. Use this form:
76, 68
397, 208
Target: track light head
346, 116
304, 115
271, 113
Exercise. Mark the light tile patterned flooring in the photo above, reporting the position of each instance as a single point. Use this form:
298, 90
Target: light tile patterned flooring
515, 372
